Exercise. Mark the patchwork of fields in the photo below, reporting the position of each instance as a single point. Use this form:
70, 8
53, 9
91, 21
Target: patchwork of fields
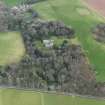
19, 97
73, 13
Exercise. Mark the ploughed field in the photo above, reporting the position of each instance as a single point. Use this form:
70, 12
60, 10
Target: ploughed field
20, 97
12, 2
98, 5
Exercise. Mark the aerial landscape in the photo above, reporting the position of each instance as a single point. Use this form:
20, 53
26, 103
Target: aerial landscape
52, 52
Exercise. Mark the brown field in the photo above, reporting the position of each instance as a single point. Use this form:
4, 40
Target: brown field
98, 5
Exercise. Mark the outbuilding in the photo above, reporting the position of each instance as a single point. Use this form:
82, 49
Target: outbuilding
48, 43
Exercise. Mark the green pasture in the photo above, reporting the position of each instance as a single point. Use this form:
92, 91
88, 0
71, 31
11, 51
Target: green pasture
12, 2
20, 97
11, 47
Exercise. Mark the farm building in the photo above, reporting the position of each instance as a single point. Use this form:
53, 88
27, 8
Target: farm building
48, 43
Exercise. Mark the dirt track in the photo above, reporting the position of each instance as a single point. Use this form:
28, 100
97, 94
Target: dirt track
98, 5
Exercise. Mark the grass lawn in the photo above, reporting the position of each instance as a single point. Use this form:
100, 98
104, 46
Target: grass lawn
19, 97
70, 12
11, 47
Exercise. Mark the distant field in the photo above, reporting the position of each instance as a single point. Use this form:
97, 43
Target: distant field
12, 2
15, 97
19, 97
11, 47
82, 19
98, 5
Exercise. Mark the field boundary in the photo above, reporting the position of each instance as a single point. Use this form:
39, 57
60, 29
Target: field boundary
54, 93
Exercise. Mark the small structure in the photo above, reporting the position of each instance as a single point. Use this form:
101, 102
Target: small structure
15, 8
21, 8
48, 43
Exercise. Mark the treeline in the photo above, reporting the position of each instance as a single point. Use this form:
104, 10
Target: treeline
99, 32
3, 17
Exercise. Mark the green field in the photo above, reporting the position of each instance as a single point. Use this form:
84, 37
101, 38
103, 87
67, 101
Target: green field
11, 47
82, 19
12, 2
19, 97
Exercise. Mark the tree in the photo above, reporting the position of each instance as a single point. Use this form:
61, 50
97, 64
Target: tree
3, 17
